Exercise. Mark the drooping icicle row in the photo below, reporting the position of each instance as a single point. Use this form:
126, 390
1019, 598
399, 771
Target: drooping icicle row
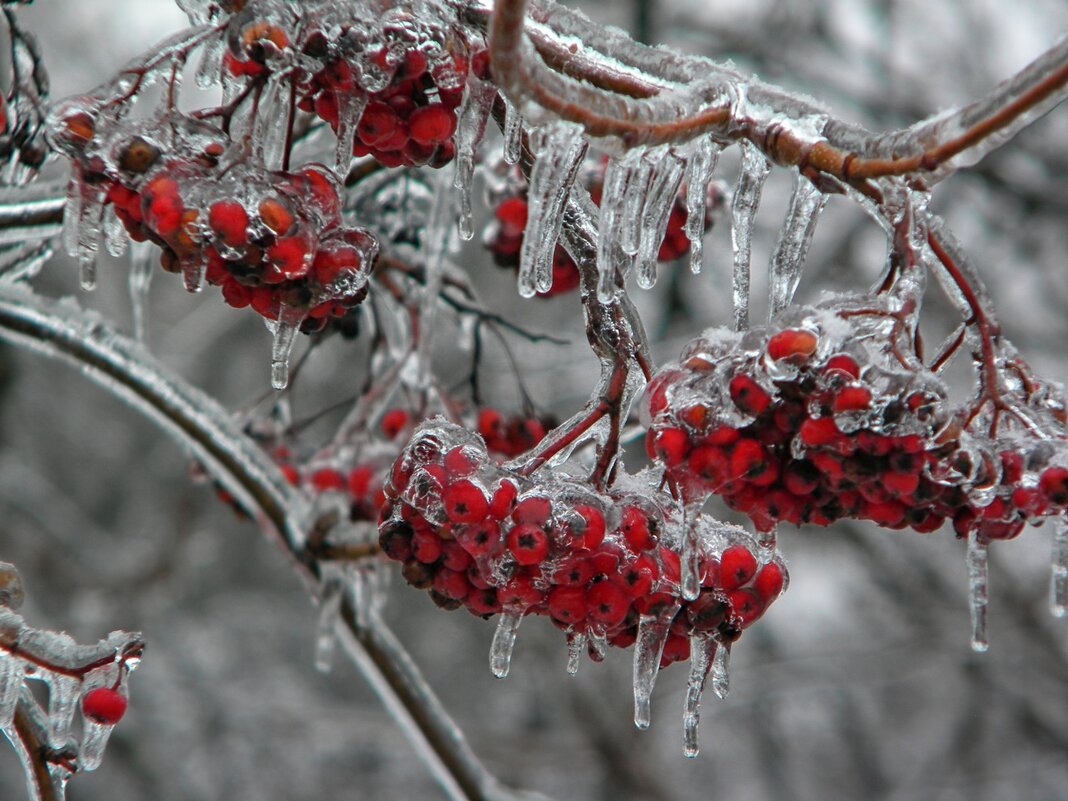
612, 260
754, 173
503, 644
795, 236
1058, 585
654, 219
563, 147
648, 649
978, 570
699, 168
702, 653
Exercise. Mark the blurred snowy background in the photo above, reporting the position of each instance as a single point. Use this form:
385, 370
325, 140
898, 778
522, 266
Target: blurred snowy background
859, 685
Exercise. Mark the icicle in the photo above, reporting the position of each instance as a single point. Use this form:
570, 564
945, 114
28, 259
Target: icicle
350, 109
193, 267
94, 740
576, 644
690, 558
285, 336
699, 169
649, 648
11, 675
977, 560
658, 204
554, 171
597, 644
767, 539
703, 648
755, 169
610, 256
115, 239
637, 193
82, 224
141, 271
513, 134
478, 102
326, 630
795, 236
438, 239
63, 695
1058, 586
503, 644
721, 673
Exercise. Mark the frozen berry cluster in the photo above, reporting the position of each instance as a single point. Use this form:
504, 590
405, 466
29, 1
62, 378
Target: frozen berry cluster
508, 437
812, 421
393, 79
271, 240
481, 537
504, 236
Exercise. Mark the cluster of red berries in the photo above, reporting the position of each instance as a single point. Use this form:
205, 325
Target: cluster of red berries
398, 80
274, 241
481, 537
806, 423
508, 437
504, 236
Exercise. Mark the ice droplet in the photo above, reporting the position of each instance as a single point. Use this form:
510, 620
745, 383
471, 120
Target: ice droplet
140, 280
703, 649
11, 675
721, 670
699, 169
658, 204
648, 649
477, 104
193, 268
503, 644
795, 236
978, 567
326, 629
576, 645
767, 539
513, 133
557, 165
1058, 585
755, 169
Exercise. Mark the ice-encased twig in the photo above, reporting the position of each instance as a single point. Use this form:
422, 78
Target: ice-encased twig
563, 147
704, 154
659, 201
795, 236
754, 173
978, 570
59, 329
1058, 583
703, 648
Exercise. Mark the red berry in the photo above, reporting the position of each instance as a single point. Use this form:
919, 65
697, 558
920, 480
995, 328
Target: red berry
528, 543
852, 399
393, 422
104, 705
594, 529
748, 395
229, 220
378, 123
328, 479
608, 603
431, 124
736, 567
460, 461
534, 510
1054, 485
670, 445
746, 604
464, 502
568, 604
769, 582
634, 524
794, 344
821, 431
843, 363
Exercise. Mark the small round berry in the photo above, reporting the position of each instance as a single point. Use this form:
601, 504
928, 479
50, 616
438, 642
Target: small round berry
567, 604
528, 543
793, 344
608, 603
769, 582
393, 422
736, 567
464, 502
432, 124
636, 528
104, 705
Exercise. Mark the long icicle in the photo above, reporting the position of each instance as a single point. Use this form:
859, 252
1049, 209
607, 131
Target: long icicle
699, 169
663, 189
703, 648
795, 236
755, 169
978, 569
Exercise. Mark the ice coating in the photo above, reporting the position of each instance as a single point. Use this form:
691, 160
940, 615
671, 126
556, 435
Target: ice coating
604, 567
